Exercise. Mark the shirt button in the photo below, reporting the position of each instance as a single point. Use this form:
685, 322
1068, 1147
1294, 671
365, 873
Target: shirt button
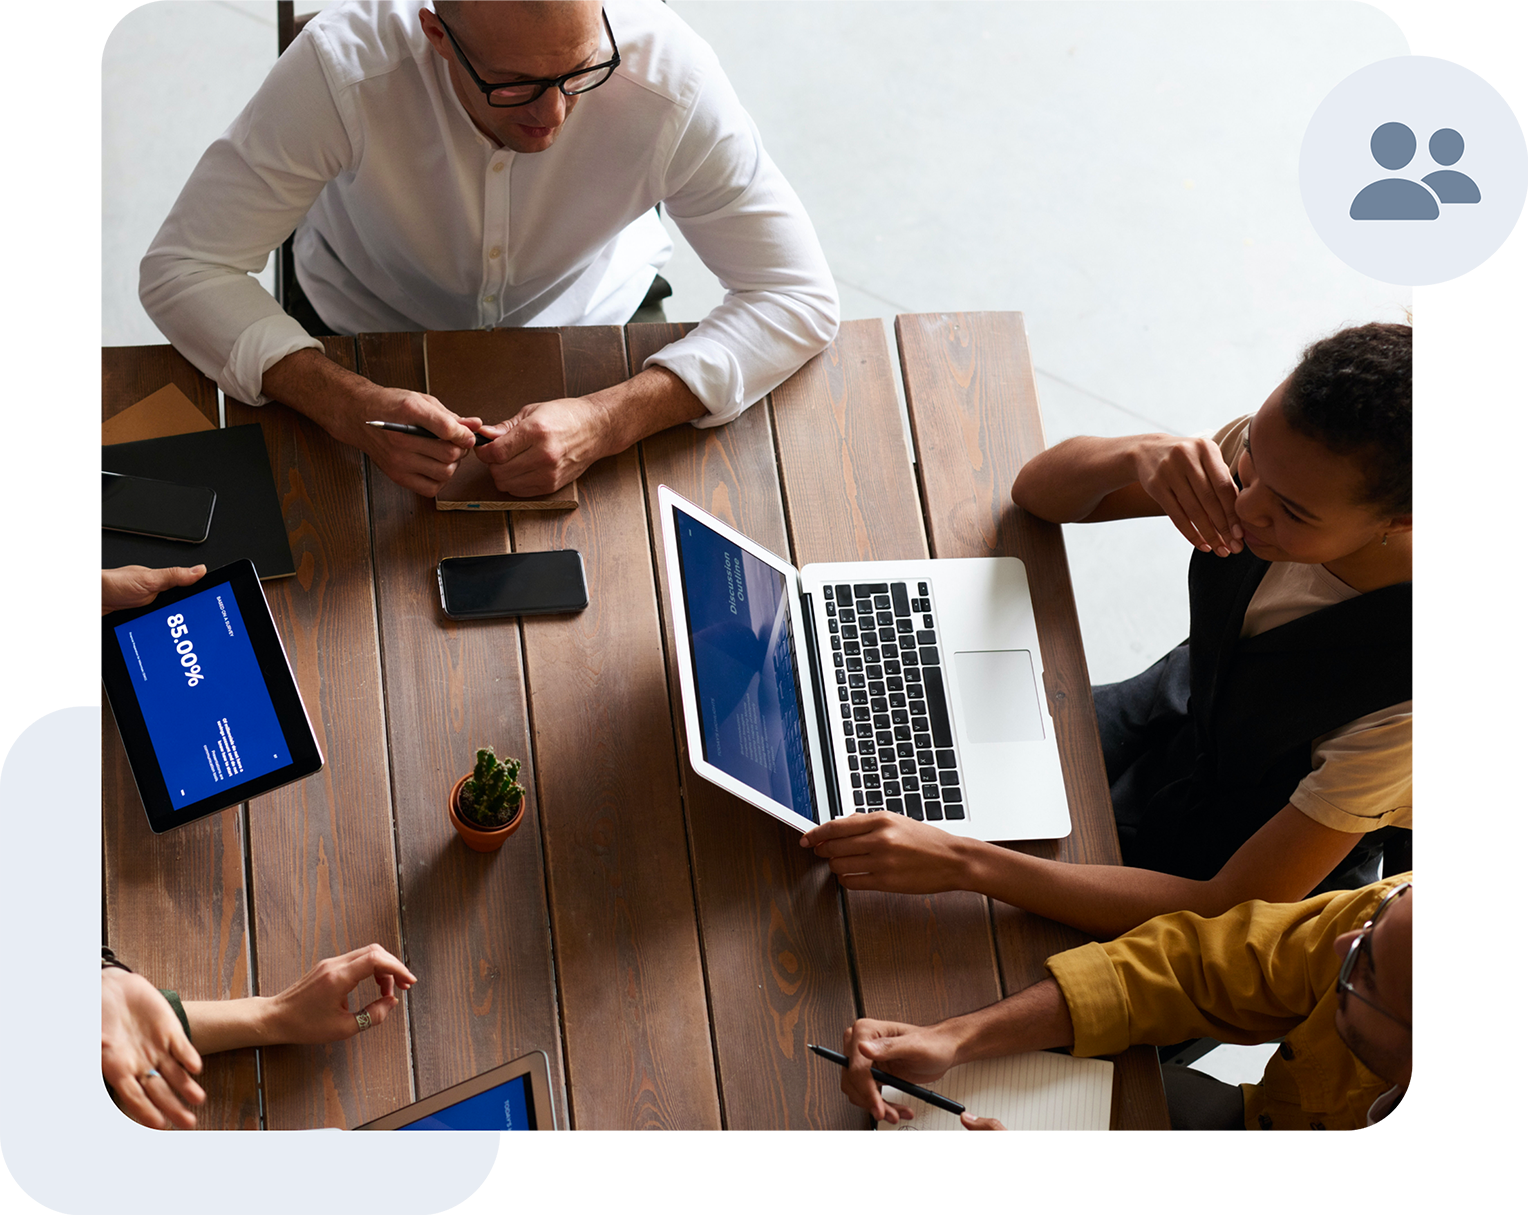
488, 299
495, 251
498, 166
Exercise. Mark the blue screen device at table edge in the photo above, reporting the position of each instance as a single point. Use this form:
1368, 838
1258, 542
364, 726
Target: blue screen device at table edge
505, 1107
204, 698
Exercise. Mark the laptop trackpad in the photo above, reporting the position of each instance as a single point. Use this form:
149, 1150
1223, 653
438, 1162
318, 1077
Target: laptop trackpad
998, 696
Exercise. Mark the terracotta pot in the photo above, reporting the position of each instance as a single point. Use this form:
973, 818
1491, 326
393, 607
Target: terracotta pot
478, 838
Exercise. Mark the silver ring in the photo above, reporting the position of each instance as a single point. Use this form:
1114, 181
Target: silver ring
150, 1072
363, 1019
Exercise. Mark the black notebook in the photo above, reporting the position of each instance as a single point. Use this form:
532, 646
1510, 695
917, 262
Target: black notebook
247, 520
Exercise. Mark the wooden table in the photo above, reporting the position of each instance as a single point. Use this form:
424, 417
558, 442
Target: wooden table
670, 949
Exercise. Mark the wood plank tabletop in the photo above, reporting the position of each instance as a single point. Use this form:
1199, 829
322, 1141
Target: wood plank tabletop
474, 924
975, 420
175, 907
776, 945
670, 948
633, 992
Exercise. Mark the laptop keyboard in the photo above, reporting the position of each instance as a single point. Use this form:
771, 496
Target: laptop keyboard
887, 663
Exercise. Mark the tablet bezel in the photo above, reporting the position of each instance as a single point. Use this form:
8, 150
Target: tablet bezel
534, 1065
275, 670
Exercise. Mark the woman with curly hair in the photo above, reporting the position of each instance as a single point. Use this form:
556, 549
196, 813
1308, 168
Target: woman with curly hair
1269, 755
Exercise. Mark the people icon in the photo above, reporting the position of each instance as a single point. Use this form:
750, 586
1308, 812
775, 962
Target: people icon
1393, 146
1446, 147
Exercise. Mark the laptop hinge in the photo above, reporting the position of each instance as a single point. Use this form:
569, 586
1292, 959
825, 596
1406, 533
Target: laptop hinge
820, 695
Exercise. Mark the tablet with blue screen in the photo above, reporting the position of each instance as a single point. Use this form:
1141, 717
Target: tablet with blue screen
204, 698
516, 1096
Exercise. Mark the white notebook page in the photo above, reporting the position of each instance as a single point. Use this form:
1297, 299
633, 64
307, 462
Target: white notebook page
1038, 1091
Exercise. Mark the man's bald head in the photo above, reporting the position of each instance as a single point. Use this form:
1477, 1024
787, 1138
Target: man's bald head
489, 41
454, 11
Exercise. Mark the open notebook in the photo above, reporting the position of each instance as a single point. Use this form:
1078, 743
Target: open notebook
1038, 1091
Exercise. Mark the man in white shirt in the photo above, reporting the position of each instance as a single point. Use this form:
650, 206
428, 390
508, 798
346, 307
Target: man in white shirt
484, 165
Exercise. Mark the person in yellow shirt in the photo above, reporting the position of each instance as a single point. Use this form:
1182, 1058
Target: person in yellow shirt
1330, 976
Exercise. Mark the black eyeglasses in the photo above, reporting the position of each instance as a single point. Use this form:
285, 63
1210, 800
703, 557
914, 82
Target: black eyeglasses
522, 92
1361, 944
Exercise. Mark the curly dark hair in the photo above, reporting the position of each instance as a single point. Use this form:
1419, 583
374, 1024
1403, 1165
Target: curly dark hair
1352, 393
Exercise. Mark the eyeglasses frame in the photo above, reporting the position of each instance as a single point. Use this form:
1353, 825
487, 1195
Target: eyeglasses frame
1349, 963
543, 85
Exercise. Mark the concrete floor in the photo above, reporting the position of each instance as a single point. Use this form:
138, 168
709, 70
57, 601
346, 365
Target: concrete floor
1123, 173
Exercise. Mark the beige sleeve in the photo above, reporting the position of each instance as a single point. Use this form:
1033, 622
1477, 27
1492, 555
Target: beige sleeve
1361, 774
1229, 439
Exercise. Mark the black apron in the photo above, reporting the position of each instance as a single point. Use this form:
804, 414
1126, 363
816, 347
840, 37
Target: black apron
1209, 743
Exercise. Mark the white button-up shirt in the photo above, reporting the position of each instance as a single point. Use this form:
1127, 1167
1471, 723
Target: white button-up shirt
411, 218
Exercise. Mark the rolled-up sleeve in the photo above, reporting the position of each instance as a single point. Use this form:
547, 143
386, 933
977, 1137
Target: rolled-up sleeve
741, 216
246, 195
1248, 976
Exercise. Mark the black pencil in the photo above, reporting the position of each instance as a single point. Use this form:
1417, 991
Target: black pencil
912, 1090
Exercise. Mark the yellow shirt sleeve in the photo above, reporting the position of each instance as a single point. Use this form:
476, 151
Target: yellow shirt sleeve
1248, 976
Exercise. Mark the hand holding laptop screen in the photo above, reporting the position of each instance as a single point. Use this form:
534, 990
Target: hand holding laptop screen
910, 685
891, 852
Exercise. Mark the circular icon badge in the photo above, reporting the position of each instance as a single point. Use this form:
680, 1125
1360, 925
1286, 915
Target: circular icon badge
1413, 170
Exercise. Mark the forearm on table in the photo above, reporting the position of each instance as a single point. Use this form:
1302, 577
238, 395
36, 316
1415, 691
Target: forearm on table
219, 1025
652, 400
315, 385
781, 306
1066, 483
1036, 1018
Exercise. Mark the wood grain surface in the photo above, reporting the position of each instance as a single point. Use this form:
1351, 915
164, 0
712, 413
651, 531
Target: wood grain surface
777, 958
623, 909
850, 496
975, 419
474, 924
175, 907
670, 948
491, 374
130, 373
323, 874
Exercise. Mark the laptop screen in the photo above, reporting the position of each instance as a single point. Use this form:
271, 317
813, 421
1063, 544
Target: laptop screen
745, 665
505, 1107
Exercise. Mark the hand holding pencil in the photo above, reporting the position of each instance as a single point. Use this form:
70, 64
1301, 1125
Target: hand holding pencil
403, 428
905, 1056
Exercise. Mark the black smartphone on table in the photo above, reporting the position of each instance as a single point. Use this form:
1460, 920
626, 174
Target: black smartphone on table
512, 584
146, 507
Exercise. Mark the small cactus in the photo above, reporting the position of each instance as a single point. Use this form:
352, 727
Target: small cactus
491, 798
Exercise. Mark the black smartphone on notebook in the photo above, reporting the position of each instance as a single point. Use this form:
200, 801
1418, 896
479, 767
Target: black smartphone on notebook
146, 507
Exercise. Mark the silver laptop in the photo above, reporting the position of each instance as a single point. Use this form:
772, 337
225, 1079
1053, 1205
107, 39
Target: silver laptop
909, 686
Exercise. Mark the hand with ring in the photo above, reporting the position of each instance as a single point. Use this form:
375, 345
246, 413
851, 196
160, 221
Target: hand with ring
316, 1008
145, 1055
